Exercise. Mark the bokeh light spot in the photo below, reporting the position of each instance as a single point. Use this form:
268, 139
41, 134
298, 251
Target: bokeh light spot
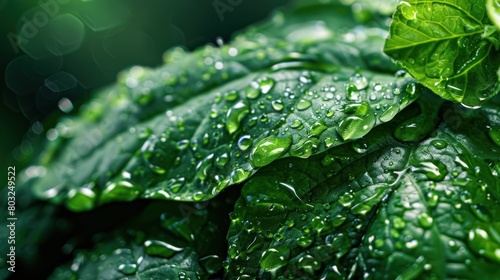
102, 15
67, 34
60, 81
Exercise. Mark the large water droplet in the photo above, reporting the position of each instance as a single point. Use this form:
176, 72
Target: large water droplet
128, 269
358, 124
425, 220
236, 114
309, 264
266, 85
433, 169
274, 258
120, 190
277, 105
389, 113
244, 142
359, 81
305, 148
269, 149
82, 199
303, 104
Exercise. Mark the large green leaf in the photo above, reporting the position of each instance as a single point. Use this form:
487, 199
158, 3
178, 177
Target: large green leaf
450, 46
210, 119
378, 208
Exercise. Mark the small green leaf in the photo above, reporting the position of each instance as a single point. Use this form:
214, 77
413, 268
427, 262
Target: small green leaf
448, 46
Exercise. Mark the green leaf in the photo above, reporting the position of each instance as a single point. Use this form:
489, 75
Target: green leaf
164, 240
449, 46
211, 118
377, 207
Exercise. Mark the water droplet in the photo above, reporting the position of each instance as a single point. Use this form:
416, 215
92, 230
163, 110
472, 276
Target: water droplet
120, 190
231, 95
358, 124
305, 78
245, 142
352, 92
297, 124
222, 160
236, 114
317, 128
160, 248
433, 169
346, 199
176, 184
128, 269
439, 144
304, 241
277, 105
274, 258
360, 146
425, 220
239, 175
303, 104
359, 81
304, 148
389, 113
266, 85
269, 149
309, 264
82, 199
329, 142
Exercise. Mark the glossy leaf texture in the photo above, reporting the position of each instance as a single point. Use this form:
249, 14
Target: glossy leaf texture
378, 208
210, 119
449, 46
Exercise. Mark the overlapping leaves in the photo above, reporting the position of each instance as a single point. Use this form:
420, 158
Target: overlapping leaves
377, 207
210, 119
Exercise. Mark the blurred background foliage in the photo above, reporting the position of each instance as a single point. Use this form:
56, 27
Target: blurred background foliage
55, 53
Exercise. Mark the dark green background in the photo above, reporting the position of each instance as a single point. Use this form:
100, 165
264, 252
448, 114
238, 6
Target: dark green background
112, 35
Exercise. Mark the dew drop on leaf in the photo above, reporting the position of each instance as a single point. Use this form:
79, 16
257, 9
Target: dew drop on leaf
266, 85
244, 142
389, 113
434, 170
120, 190
303, 104
236, 114
359, 81
358, 124
274, 258
81, 199
424, 220
277, 105
269, 149
128, 269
